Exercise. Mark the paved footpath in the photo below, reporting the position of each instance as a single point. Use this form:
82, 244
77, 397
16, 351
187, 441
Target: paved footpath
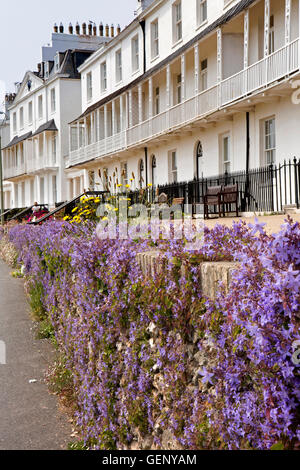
29, 415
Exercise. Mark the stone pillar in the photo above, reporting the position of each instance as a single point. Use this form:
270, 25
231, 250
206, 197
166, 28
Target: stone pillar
267, 28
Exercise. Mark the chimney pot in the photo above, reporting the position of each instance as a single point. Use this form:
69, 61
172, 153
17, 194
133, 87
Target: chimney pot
55, 28
118, 29
107, 30
70, 28
77, 28
61, 28
95, 29
112, 31
84, 29
90, 28
101, 29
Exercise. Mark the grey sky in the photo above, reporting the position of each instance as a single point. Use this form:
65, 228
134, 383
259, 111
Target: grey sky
25, 26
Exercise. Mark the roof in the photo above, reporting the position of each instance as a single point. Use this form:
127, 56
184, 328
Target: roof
16, 140
231, 13
48, 126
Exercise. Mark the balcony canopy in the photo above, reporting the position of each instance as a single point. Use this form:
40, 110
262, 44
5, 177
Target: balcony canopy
16, 140
48, 126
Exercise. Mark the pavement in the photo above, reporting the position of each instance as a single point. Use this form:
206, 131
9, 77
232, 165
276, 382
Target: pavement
273, 222
29, 415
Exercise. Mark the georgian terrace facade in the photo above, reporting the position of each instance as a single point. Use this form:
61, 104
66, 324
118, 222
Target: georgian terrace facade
46, 101
167, 99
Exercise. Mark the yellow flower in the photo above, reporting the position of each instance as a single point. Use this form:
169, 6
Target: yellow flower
119, 185
116, 209
149, 185
75, 209
127, 186
105, 218
66, 218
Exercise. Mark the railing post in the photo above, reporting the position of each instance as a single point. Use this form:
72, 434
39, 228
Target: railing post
296, 183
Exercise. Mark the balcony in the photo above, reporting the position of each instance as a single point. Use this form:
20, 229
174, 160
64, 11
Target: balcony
14, 171
45, 162
257, 77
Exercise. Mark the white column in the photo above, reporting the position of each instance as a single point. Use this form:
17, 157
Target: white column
267, 28
121, 114
127, 110
92, 128
246, 39
45, 153
85, 133
78, 134
113, 117
287, 21
246, 48
196, 75
130, 108
105, 121
150, 104
219, 63
183, 90
168, 92
140, 100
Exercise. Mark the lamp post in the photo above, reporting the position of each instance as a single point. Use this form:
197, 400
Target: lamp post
1, 177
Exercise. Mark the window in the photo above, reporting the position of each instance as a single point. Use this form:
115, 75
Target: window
15, 122
40, 106
269, 141
89, 86
153, 171
118, 66
156, 101
103, 74
177, 22
178, 89
53, 100
141, 173
135, 54
201, 11
30, 114
54, 189
54, 149
174, 172
226, 163
154, 39
124, 173
21, 118
41, 146
203, 75
271, 36
199, 161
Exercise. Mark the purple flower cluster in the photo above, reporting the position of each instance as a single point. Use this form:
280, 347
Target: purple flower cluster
126, 383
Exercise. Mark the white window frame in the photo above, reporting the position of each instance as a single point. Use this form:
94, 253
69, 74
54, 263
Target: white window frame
154, 39
40, 106
203, 75
177, 21
178, 86
201, 12
272, 35
269, 141
89, 86
54, 148
135, 54
173, 166
226, 163
30, 112
53, 100
15, 122
118, 61
103, 76
22, 118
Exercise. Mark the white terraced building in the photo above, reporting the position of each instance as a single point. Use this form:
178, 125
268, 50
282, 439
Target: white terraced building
45, 102
180, 91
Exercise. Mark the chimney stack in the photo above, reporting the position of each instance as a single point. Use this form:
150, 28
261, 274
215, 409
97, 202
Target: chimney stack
107, 30
118, 29
112, 31
90, 28
101, 29
55, 28
61, 28
84, 29
77, 28
70, 28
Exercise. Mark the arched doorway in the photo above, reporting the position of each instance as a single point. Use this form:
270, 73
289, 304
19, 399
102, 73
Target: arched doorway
199, 160
141, 173
153, 171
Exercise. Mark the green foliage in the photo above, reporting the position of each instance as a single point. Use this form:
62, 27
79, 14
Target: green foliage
36, 294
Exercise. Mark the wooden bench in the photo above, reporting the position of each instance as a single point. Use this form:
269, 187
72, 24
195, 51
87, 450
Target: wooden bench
229, 197
212, 198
